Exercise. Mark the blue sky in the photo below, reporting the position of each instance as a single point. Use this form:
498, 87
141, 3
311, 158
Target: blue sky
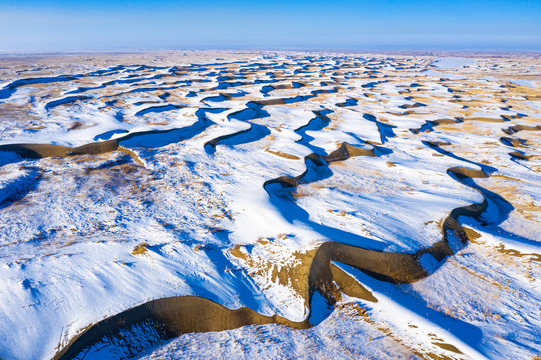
53, 25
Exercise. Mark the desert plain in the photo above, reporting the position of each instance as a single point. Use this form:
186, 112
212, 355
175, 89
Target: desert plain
270, 204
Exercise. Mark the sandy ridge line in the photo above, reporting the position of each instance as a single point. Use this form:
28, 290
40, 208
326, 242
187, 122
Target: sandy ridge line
173, 316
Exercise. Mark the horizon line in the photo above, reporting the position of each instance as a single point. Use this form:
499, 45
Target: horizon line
128, 49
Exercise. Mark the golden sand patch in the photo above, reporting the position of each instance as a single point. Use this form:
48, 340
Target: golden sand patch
283, 154
140, 249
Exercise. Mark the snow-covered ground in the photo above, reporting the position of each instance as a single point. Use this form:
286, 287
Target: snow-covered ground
330, 194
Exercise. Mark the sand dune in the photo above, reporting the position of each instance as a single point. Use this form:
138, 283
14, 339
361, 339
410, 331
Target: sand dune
149, 198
